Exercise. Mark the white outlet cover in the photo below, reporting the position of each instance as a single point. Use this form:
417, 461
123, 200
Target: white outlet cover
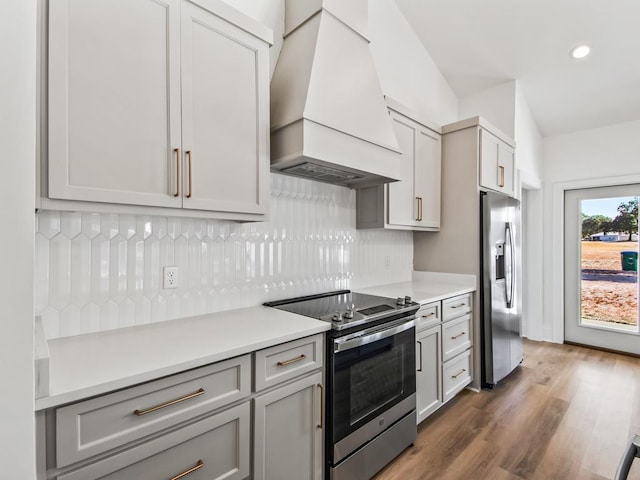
170, 277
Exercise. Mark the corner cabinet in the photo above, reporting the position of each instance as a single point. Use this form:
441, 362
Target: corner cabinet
413, 203
158, 103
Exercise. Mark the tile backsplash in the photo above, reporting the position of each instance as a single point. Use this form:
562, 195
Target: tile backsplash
101, 271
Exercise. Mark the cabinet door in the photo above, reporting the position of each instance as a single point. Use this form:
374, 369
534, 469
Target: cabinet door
402, 203
225, 81
428, 372
114, 101
506, 160
428, 163
289, 431
497, 166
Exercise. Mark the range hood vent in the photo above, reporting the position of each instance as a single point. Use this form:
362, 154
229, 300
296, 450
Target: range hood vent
323, 174
329, 119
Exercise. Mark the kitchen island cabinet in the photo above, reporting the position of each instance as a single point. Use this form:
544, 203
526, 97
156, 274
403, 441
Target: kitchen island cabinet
156, 104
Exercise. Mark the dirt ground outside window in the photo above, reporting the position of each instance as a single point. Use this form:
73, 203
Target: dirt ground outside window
608, 293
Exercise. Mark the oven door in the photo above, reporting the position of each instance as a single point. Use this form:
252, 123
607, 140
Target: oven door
373, 383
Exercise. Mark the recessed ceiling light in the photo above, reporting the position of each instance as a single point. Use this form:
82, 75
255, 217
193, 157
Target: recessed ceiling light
580, 51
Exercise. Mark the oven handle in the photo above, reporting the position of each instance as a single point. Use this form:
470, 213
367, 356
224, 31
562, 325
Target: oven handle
370, 336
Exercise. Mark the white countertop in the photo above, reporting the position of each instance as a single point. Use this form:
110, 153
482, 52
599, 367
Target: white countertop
93, 364
426, 287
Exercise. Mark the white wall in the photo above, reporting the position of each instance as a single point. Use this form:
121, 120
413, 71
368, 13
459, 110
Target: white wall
405, 69
497, 104
17, 137
590, 158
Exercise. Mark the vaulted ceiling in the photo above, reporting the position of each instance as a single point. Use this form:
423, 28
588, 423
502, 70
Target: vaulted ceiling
478, 44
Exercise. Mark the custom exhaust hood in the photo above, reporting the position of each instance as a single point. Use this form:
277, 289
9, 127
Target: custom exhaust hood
329, 119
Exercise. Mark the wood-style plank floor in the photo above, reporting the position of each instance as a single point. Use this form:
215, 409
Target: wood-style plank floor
567, 413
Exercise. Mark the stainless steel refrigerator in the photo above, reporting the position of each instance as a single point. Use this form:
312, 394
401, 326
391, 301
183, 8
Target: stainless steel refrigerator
501, 305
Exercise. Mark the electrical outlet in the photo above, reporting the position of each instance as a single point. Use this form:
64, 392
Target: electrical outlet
170, 275
387, 262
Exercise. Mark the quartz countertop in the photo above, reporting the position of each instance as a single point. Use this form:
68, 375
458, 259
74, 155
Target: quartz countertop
426, 287
86, 365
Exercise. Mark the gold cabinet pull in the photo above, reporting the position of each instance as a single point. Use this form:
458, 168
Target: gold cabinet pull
459, 305
177, 152
419, 200
292, 360
429, 315
458, 336
420, 208
319, 385
459, 373
420, 343
198, 466
139, 413
189, 165
501, 183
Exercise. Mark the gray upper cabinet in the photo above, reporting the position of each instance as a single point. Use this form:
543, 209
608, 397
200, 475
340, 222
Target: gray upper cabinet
161, 103
413, 203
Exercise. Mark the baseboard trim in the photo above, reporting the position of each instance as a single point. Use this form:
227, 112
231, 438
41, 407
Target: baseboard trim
602, 349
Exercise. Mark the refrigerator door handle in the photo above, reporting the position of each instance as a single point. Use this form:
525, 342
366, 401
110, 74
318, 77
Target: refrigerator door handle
509, 288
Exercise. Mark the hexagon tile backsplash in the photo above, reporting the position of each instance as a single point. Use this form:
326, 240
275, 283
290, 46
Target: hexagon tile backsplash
99, 271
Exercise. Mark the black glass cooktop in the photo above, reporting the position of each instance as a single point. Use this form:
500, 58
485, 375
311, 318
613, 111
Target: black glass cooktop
345, 309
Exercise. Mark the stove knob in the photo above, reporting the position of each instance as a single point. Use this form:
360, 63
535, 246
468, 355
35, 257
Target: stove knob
400, 301
407, 299
337, 317
349, 313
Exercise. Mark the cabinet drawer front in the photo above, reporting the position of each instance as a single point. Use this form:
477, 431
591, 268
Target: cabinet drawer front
456, 306
428, 315
215, 448
282, 362
456, 337
94, 426
456, 375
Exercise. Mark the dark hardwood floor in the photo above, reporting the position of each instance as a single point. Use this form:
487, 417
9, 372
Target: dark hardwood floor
567, 413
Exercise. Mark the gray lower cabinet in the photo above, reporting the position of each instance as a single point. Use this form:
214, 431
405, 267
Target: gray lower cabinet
428, 373
443, 352
288, 431
213, 449
201, 424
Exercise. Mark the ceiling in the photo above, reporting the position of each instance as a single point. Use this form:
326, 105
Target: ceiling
478, 44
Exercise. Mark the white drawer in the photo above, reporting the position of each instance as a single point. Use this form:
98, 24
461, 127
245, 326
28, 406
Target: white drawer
215, 448
288, 360
94, 426
456, 375
428, 316
456, 306
456, 337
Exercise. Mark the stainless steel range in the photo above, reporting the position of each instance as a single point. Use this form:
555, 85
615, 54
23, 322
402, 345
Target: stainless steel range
371, 384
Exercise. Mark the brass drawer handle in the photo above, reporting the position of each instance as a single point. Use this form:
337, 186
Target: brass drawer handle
293, 360
429, 315
320, 425
501, 183
459, 305
198, 466
188, 195
139, 413
459, 373
177, 152
458, 336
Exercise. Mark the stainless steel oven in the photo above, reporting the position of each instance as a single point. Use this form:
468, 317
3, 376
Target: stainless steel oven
371, 383
372, 389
